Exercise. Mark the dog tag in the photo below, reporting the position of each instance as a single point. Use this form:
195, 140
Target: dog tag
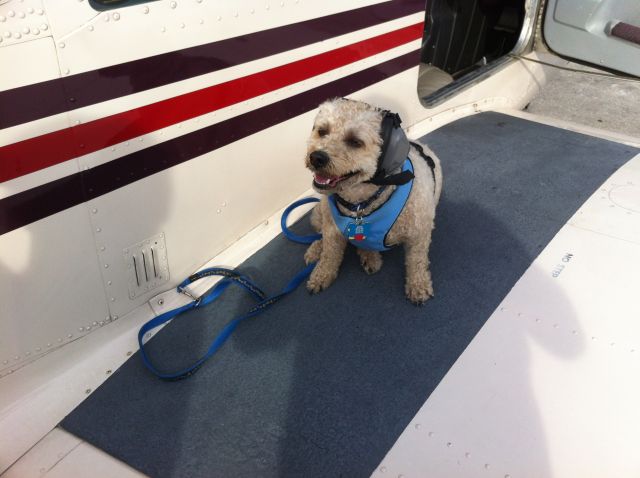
357, 231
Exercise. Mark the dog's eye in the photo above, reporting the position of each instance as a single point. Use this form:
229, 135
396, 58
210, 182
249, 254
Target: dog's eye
323, 132
354, 142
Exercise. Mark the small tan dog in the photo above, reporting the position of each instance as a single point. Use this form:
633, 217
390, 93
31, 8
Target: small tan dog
364, 165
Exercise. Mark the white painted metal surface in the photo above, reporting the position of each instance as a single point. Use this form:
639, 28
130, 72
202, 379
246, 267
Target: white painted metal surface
62, 455
548, 386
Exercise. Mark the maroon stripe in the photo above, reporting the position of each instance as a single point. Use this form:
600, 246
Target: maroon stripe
28, 103
26, 207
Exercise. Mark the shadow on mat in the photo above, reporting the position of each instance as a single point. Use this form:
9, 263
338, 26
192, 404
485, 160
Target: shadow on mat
364, 360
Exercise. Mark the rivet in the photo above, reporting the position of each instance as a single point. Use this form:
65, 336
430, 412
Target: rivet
113, 299
161, 302
2, 19
235, 14
593, 338
38, 349
182, 25
95, 323
507, 476
218, 211
70, 336
417, 426
66, 71
129, 353
116, 16
173, 4
224, 204
7, 34
94, 210
40, 11
80, 329
632, 350
268, 7
87, 391
49, 344
612, 344
282, 4
467, 455
574, 332
126, 143
21, 14
88, 327
106, 266
201, 21
61, 44
102, 248
487, 466
44, 27
17, 357
538, 320
59, 339
25, 30
383, 469
17, 35
101, 323
11, 13
163, 29
219, 18
30, 9
91, 28
145, 10
115, 317
449, 444
108, 372
27, 354
400, 476
106, 17
253, 11
430, 434
98, 230
5, 362
555, 326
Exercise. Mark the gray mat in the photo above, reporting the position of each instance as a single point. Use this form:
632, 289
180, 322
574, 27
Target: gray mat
321, 386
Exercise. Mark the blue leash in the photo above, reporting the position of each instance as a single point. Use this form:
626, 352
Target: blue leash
230, 277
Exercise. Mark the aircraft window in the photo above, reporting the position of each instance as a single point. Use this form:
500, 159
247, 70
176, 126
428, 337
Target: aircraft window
463, 38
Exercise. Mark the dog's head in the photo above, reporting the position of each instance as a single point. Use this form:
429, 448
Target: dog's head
344, 145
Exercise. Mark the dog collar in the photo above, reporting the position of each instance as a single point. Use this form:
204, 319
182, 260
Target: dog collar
361, 205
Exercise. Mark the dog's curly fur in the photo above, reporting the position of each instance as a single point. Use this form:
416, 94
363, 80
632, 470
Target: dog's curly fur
349, 133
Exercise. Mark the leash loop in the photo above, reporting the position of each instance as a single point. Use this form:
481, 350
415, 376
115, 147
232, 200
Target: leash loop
230, 277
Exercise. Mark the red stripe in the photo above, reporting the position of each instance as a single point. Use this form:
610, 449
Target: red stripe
47, 150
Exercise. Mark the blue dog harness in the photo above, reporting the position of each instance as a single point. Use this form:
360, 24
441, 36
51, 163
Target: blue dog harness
370, 231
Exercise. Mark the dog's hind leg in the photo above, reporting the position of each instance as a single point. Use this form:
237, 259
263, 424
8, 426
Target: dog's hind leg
418, 285
371, 261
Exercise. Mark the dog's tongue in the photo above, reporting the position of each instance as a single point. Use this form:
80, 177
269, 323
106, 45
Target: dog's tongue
320, 179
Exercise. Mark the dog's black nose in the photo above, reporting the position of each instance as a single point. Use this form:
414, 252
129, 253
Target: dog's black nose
319, 159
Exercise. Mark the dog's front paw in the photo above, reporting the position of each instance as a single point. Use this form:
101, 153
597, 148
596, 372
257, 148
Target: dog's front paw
371, 261
418, 293
320, 280
313, 252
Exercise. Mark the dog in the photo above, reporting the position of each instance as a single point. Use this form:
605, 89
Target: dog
379, 191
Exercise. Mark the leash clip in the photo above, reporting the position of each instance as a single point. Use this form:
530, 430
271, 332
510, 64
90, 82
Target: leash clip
185, 291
